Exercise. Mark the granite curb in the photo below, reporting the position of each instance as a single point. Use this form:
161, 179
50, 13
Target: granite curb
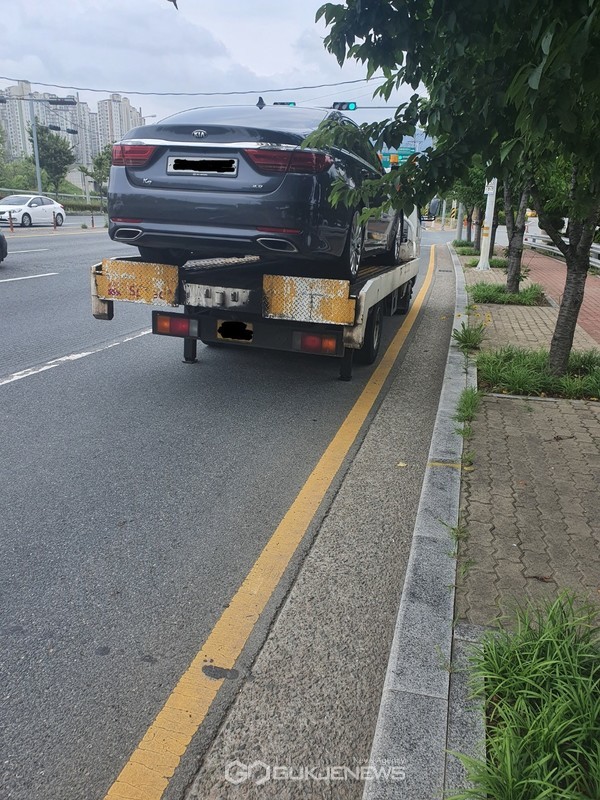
413, 722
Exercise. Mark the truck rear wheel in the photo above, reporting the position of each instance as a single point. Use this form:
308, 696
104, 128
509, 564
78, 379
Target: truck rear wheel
404, 300
368, 352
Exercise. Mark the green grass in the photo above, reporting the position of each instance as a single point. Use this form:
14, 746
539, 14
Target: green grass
469, 337
467, 405
463, 243
533, 295
466, 251
495, 263
512, 370
540, 685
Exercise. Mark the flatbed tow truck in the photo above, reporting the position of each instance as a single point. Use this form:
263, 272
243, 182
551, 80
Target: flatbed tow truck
259, 304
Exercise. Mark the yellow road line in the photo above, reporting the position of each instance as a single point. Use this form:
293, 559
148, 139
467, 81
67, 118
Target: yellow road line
452, 466
147, 773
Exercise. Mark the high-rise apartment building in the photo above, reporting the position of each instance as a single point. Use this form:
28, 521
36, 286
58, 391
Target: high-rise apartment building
116, 116
86, 131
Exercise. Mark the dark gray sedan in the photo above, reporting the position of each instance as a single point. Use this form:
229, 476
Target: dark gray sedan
234, 180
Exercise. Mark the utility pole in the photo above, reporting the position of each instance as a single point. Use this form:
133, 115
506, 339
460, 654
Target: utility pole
443, 215
36, 154
484, 258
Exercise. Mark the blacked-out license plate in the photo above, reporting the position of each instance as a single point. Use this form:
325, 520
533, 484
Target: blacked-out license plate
203, 166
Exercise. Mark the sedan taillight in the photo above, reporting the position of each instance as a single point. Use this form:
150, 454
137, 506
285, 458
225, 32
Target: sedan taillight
281, 161
131, 155
307, 162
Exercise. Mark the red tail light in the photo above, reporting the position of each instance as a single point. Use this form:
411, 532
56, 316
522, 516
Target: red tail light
269, 161
131, 155
306, 162
281, 161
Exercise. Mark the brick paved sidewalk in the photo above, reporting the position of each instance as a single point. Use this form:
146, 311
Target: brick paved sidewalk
551, 274
531, 507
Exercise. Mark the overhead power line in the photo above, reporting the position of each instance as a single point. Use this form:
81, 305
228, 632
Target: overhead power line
193, 94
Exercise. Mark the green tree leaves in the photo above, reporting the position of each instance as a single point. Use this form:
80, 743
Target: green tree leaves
56, 155
510, 80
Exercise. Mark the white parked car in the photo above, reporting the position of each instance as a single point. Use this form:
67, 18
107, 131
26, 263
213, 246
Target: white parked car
30, 209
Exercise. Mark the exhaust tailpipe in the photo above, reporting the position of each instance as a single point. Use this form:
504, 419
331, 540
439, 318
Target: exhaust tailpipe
277, 245
127, 234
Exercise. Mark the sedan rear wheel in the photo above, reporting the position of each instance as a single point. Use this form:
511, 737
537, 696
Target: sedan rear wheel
391, 257
159, 255
59, 219
350, 259
26, 221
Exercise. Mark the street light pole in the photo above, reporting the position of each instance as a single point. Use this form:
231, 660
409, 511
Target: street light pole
484, 258
36, 153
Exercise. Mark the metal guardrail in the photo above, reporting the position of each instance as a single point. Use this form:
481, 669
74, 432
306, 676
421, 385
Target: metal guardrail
4, 192
540, 241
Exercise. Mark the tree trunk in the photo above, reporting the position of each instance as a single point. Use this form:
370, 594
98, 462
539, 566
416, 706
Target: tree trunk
478, 213
577, 256
566, 323
516, 225
469, 224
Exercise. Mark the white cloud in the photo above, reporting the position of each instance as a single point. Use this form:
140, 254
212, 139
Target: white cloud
147, 45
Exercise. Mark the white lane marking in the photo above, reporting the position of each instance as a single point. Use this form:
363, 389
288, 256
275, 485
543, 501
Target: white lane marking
28, 277
56, 362
39, 250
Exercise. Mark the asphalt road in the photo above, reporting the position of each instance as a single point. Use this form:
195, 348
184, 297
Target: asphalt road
137, 492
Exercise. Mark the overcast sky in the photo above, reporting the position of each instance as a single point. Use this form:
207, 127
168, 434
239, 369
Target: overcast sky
149, 46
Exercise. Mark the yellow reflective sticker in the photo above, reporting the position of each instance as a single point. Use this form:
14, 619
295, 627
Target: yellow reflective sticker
137, 282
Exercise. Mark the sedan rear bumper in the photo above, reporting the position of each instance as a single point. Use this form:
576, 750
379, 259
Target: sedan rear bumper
225, 241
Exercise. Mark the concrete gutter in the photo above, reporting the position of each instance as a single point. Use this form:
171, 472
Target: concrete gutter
413, 722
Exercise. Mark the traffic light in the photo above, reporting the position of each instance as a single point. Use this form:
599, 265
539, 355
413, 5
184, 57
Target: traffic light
53, 127
351, 106
284, 103
61, 101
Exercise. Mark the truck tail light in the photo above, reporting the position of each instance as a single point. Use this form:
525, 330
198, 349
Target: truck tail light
281, 161
175, 325
132, 155
322, 343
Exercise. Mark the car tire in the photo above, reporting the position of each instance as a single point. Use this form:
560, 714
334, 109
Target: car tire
370, 348
159, 255
404, 300
349, 261
391, 257
25, 221
59, 220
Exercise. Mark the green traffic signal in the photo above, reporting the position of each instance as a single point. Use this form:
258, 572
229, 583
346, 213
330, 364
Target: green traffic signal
348, 106
284, 103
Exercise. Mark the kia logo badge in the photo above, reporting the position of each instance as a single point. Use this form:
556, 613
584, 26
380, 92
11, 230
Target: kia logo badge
199, 134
